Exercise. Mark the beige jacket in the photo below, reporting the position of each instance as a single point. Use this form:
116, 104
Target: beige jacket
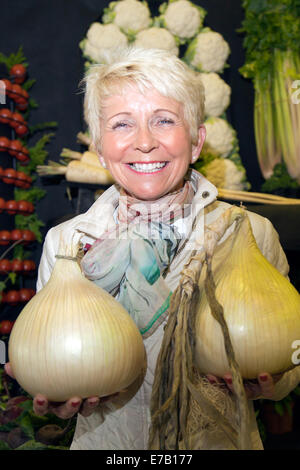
123, 423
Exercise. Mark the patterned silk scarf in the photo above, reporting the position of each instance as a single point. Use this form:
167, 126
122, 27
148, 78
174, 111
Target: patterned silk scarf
129, 261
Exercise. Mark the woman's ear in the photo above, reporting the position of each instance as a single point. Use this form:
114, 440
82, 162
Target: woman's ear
196, 149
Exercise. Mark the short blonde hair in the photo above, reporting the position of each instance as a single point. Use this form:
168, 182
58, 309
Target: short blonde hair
144, 68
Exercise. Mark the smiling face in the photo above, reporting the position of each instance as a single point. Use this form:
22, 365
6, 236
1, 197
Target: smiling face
146, 143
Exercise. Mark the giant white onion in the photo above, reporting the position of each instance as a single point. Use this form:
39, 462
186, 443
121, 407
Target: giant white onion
74, 339
261, 309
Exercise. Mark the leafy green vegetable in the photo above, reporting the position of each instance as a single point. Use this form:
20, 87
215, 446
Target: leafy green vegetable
30, 222
37, 154
42, 126
280, 179
28, 84
32, 195
13, 59
268, 25
272, 32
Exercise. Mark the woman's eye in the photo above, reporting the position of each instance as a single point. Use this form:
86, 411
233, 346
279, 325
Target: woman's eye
120, 125
165, 121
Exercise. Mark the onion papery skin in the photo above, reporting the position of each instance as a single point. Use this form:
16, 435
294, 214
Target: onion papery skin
261, 308
74, 339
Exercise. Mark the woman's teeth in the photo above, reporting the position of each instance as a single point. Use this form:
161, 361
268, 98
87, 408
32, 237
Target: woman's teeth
147, 167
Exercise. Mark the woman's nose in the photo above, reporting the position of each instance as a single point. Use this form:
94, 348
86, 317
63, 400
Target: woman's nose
145, 141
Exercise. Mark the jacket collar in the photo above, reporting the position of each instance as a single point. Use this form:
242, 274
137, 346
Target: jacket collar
100, 216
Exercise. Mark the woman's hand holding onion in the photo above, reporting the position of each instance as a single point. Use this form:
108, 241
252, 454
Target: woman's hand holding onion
262, 387
66, 410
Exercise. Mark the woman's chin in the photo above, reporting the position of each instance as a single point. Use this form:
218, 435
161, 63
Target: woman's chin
145, 195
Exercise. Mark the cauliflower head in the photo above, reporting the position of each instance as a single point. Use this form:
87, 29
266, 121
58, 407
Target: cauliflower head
208, 52
220, 137
100, 37
217, 93
224, 174
130, 16
158, 38
183, 19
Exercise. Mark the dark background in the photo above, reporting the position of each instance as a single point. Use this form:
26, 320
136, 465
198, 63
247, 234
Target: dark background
50, 32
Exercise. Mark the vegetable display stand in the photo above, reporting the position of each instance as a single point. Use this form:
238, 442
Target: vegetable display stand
19, 192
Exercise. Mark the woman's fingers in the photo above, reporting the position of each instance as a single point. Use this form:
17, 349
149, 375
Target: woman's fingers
266, 383
66, 410
213, 379
89, 405
8, 370
40, 405
228, 380
264, 386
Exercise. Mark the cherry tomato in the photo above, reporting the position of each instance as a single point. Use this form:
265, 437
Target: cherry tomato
5, 265
5, 115
28, 265
16, 93
22, 106
32, 292
15, 146
26, 294
28, 236
5, 237
28, 180
23, 207
21, 180
17, 265
4, 144
17, 120
11, 207
18, 73
23, 155
2, 204
21, 130
16, 235
1, 172
30, 207
24, 94
9, 175
12, 297
6, 327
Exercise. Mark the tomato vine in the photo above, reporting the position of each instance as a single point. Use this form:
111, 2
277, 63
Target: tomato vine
26, 157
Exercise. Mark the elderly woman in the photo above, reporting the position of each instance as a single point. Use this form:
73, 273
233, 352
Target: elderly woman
145, 111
